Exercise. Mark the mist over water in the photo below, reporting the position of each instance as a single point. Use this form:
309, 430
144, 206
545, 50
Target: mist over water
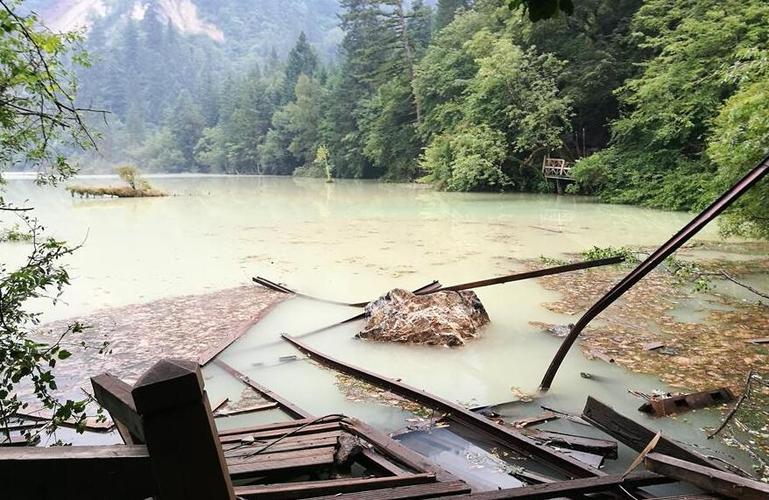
352, 241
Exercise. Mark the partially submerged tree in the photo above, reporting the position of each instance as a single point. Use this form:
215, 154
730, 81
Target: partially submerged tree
38, 118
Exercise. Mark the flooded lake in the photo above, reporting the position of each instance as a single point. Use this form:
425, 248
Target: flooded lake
352, 241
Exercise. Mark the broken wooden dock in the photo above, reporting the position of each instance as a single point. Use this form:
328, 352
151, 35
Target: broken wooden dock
173, 451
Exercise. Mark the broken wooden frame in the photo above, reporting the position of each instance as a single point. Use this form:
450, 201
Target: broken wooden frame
287, 406
436, 286
657, 257
269, 453
636, 436
510, 438
713, 481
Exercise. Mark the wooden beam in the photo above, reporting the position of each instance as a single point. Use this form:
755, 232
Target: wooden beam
280, 462
333, 486
574, 487
428, 490
381, 462
510, 438
636, 436
261, 435
710, 480
275, 426
604, 447
249, 409
76, 472
115, 396
286, 405
185, 452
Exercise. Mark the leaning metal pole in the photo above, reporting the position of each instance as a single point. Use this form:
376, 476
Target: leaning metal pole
645, 267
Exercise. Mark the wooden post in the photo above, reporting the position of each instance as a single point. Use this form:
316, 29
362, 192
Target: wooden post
186, 457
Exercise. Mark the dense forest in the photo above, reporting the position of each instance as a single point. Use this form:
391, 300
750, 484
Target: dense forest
660, 102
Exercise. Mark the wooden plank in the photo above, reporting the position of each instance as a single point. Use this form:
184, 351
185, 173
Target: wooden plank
76, 472
284, 446
536, 420
293, 439
381, 462
391, 448
511, 438
248, 409
269, 456
115, 396
259, 466
276, 425
710, 480
333, 486
636, 436
286, 405
261, 435
428, 490
602, 447
185, 453
574, 487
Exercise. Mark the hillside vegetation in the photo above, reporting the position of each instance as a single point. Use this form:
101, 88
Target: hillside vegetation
660, 103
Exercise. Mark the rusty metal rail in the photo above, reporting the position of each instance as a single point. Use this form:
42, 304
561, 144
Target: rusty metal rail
436, 286
659, 255
287, 406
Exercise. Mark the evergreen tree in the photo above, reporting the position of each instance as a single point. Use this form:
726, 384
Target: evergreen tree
302, 60
446, 11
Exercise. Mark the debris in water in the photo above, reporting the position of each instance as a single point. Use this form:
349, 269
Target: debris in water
668, 405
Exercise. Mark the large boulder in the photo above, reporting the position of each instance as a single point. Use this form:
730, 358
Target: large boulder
440, 318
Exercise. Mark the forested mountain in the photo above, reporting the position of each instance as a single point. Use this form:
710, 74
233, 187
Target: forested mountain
659, 102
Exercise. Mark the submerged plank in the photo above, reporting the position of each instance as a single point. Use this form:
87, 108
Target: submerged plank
511, 438
271, 434
429, 490
307, 489
285, 405
713, 481
574, 487
276, 425
259, 465
393, 449
603, 447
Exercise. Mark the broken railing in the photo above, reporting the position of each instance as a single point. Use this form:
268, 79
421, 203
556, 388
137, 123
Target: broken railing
437, 287
659, 255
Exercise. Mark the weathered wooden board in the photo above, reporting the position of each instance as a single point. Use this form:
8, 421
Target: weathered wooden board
259, 465
506, 436
333, 486
710, 480
287, 406
428, 490
573, 487
636, 436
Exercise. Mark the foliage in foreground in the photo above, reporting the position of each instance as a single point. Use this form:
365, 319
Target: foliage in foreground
37, 114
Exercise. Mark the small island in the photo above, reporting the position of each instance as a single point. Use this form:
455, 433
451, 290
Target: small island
137, 187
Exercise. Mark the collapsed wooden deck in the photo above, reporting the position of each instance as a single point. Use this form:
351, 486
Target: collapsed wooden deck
173, 450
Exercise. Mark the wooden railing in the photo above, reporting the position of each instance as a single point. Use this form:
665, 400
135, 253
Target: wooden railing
556, 168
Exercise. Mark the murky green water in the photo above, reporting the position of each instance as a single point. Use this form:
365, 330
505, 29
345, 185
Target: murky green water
353, 241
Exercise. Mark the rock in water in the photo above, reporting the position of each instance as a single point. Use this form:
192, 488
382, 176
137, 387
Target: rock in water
440, 318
